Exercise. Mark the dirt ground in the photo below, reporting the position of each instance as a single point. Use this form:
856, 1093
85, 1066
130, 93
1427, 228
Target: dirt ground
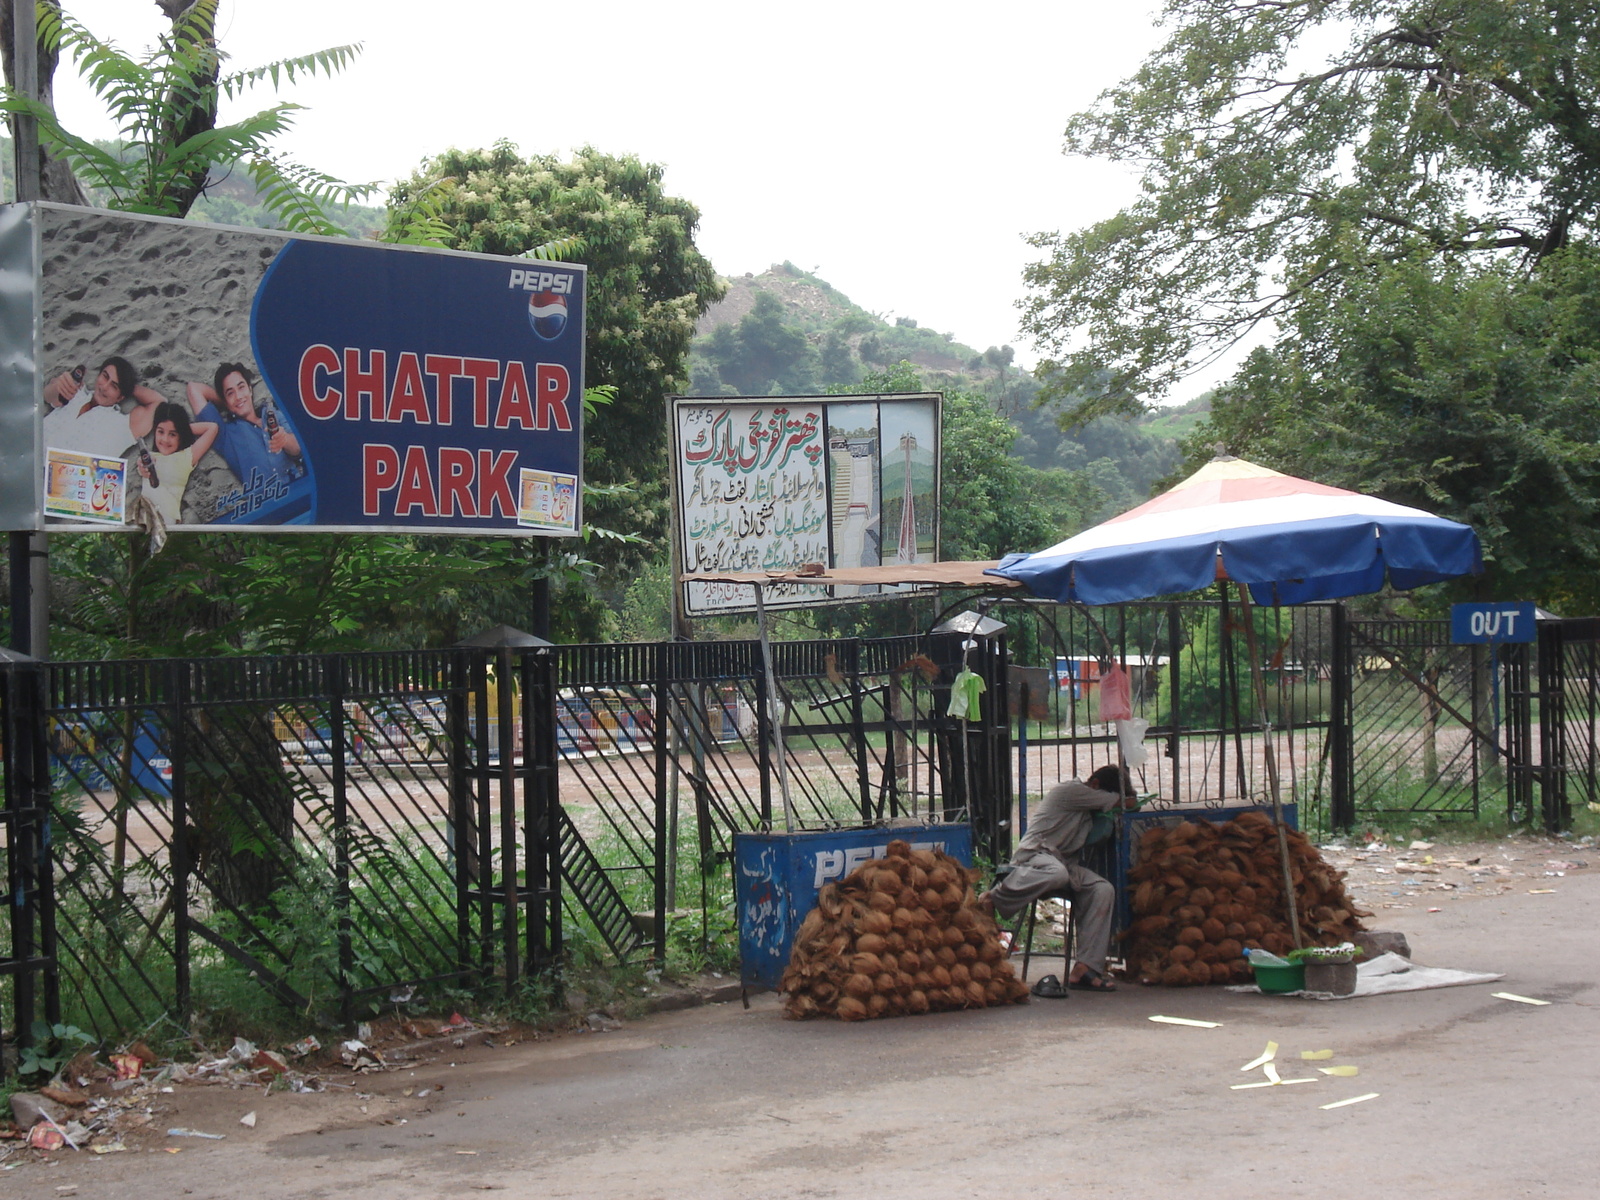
1477, 1097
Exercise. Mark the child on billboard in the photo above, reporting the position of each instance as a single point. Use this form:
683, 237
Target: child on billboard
179, 445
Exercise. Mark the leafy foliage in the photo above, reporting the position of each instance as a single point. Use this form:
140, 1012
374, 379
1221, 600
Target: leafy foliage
1471, 392
648, 284
51, 1049
1276, 170
165, 105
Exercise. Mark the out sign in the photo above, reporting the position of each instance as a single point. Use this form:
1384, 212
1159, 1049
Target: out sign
1481, 623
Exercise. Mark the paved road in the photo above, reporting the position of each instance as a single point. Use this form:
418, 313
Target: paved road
1479, 1098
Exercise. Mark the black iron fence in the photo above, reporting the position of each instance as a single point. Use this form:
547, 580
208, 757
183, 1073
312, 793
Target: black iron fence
182, 836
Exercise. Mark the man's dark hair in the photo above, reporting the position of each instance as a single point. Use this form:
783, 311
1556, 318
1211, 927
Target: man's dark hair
127, 376
1112, 778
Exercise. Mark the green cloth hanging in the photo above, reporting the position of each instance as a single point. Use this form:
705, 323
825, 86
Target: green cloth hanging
966, 692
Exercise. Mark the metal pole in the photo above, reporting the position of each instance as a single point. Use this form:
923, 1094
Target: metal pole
30, 563
1271, 759
510, 899
774, 707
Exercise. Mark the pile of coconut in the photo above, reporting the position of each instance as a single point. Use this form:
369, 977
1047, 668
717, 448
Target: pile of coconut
1204, 893
900, 934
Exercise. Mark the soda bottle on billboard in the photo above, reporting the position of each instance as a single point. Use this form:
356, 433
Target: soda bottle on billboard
269, 418
149, 464
84, 393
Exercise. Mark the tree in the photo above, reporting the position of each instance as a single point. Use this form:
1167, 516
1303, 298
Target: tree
1473, 392
1274, 173
648, 284
763, 354
165, 106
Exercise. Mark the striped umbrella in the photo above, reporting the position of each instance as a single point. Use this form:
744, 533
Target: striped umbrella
1289, 540
1280, 539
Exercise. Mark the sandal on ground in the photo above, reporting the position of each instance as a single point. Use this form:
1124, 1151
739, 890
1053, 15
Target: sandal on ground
1049, 988
1092, 981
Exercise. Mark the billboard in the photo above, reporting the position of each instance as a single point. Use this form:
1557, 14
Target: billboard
774, 484
217, 378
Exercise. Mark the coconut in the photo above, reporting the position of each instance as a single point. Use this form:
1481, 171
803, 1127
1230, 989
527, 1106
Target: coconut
1214, 929
1182, 954
873, 921
877, 1005
859, 985
1190, 936
884, 983
1229, 948
871, 943
910, 961
917, 1001
1220, 972
1175, 976
863, 963
851, 1009
945, 956
882, 901
966, 953
959, 975
976, 996
941, 977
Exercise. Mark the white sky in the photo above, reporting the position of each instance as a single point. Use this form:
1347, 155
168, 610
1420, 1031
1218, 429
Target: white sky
901, 150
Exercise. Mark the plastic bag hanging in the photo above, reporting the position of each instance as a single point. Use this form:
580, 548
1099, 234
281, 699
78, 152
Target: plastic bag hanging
966, 691
1130, 735
1116, 695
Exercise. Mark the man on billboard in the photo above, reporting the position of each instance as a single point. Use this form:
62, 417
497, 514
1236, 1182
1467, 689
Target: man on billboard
252, 437
87, 416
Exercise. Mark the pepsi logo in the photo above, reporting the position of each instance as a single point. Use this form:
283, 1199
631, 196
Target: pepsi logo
547, 313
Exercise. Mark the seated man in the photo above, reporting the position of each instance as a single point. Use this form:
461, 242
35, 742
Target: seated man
1047, 861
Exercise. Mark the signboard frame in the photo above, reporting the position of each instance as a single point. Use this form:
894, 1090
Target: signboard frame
783, 481
469, 378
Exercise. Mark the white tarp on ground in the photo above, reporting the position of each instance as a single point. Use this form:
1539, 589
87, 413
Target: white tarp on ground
1391, 973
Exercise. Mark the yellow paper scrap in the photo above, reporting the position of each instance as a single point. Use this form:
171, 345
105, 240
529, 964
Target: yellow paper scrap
1271, 1072
1240, 1087
1187, 1021
1517, 998
1341, 1072
1316, 1055
1541, 891
1351, 1100
1265, 1056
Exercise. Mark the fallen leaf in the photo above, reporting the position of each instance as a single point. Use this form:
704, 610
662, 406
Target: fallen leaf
1351, 1100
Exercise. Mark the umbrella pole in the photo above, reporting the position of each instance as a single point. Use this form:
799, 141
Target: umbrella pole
1271, 756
